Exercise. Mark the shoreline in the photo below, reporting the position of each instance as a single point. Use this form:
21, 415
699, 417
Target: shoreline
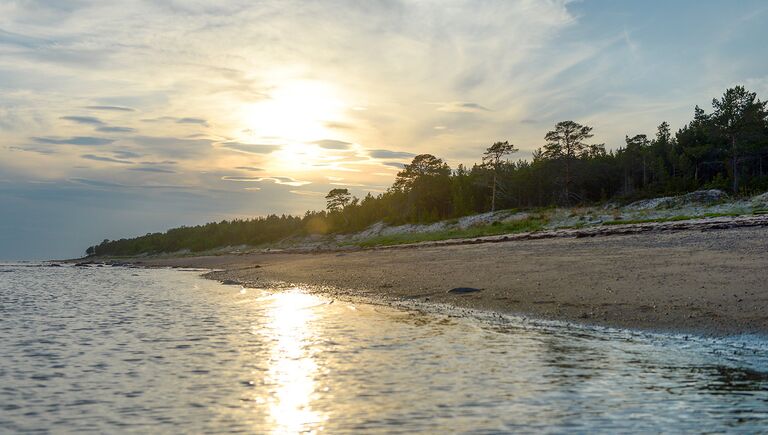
704, 278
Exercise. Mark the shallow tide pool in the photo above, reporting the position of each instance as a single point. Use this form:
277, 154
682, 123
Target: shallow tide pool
130, 350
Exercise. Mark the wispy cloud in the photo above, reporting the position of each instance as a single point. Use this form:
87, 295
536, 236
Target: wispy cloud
347, 184
184, 120
20, 40
111, 108
335, 125
389, 154
33, 149
115, 129
331, 144
397, 165
461, 107
105, 159
76, 140
198, 121
83, 120
162, 162
113, 185
153, 169
125, 154
288, 181
249, 148
169, 146
307, 193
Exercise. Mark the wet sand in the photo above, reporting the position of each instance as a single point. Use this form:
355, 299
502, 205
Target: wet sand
707, 281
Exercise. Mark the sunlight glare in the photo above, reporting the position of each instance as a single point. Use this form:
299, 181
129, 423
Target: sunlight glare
292, 367
296, 111
294, 116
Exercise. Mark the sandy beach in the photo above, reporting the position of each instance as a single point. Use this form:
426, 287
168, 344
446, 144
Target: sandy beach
704, 280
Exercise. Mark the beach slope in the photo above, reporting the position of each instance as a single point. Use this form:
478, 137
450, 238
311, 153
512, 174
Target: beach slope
711, 282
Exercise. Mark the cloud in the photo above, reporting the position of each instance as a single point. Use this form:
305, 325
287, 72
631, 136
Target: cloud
461, 107
19, 40
288, 181
33, 149
171, 146
113, 129
151, 169
347, 184
198, 121
246, 179
77, 140
112, 185
335, 125
388, 154
397, 165
83, 120
105, 159
331, 144
185, 120
124, 154
111, 108
95, 183
250, 168
249, 148
307, 193
164, 162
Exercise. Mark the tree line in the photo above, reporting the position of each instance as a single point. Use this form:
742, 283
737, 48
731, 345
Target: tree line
726, 149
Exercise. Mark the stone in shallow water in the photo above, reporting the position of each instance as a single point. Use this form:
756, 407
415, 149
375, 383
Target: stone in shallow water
463, 290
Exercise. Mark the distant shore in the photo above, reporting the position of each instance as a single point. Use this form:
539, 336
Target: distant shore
709, 278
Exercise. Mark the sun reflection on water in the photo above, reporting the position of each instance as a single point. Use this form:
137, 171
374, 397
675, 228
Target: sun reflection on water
292, 367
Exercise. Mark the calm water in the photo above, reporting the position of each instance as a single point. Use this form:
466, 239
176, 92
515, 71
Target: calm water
128, 350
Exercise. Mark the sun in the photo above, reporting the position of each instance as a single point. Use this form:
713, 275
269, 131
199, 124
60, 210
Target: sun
294, 117
295, 112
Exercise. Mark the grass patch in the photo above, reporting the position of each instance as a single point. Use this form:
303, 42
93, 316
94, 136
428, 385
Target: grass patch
497, 228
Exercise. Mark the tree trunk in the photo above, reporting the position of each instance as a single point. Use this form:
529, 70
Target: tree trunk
735, 166
567, 182
540, 191
493, 195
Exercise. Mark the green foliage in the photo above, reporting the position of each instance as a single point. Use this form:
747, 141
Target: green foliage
422, 190
567, 141
565, 144
337, 199
209, 236
725, 149
494, 154
493, 157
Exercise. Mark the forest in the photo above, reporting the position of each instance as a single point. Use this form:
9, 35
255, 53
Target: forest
726, 149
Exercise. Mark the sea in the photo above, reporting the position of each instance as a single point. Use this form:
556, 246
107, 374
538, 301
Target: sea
127, 350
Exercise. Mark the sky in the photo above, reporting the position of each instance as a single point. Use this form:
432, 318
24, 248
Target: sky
123, 118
